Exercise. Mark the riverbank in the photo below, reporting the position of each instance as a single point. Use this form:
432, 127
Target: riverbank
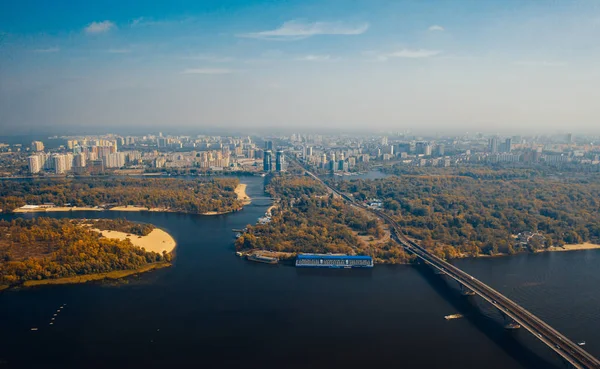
116, 274
573, 247
240, 191
157, 241
56, 209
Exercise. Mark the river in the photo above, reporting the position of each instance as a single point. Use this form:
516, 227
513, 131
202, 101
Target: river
212, 309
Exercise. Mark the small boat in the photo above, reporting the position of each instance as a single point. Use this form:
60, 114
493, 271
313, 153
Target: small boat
262, 259
34, 329
453, 316
581, 343
238, 235
239, 253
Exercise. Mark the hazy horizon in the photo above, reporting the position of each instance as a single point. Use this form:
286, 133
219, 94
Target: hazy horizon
433, 66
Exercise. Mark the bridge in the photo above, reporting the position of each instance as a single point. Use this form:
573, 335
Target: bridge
567, 349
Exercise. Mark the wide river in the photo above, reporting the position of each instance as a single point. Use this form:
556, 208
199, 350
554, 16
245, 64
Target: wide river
215, 310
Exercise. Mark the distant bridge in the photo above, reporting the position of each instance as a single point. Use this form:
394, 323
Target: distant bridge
568, 350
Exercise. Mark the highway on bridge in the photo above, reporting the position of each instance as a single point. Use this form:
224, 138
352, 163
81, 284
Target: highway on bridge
563, 346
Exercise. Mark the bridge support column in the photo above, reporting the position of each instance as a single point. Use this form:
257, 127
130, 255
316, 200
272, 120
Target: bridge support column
465, 291
509, 323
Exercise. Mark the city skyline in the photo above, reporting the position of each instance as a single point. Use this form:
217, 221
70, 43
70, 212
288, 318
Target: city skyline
438, 66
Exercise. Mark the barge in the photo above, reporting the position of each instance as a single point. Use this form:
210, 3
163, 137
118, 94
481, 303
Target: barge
333, 261
262, 259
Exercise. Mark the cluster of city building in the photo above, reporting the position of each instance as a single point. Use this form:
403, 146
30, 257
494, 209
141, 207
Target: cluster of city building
85, 154
343, 153
332, 153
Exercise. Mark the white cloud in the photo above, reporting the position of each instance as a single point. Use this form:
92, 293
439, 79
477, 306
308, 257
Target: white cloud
99, 27
209, 58
296, 30
118, 51
47, 50
208, 71
315, 58
436, 28
409, 54
540, 63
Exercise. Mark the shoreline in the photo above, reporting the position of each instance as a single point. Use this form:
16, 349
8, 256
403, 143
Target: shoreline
157, 241
240, 191
113, 275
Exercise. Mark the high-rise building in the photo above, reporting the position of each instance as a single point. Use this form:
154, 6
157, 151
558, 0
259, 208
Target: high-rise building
423, 148
308, 152
280, 161
441, 150
114, 160
71, 144
79, 161
37, 146
493, 145
268, 161
162, 142
269, 145
34, 164
60, 164
508, 145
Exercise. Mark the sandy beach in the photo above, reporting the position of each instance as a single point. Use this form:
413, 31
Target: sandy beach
157, 241
129, 208
240, 191
56, 209
580, 246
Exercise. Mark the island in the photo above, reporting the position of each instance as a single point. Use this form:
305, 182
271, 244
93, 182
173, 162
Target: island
57, 251
307, 219
208, 196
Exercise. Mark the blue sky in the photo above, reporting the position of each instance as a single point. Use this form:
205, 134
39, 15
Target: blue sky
496, 66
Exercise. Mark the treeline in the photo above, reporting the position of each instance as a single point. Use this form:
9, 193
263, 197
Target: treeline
472, 171
46, 248
462, 215
309, 221
123, 225
174, 194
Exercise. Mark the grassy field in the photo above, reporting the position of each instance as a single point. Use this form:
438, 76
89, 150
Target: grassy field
97, 277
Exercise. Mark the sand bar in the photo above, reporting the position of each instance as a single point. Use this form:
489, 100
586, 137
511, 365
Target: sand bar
240, 191
129, 208
579, 246
157, 241
56, 209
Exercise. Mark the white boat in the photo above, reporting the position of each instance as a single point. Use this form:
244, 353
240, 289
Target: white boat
581, 343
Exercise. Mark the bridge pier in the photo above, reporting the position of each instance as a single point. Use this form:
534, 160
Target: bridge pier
465, 291
509, 323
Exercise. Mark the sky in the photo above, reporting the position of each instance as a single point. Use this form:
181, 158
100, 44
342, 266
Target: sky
425, 65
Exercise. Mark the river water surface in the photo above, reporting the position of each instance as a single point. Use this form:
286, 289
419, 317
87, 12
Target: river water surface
214, 310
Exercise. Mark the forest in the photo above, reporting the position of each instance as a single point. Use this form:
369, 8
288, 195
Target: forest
311, 221
46, 248
180, 195
458, 215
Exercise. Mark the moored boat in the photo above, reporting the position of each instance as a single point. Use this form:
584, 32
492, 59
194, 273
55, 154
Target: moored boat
262, 259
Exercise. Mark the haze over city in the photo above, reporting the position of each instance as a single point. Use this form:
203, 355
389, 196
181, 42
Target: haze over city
433, 66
